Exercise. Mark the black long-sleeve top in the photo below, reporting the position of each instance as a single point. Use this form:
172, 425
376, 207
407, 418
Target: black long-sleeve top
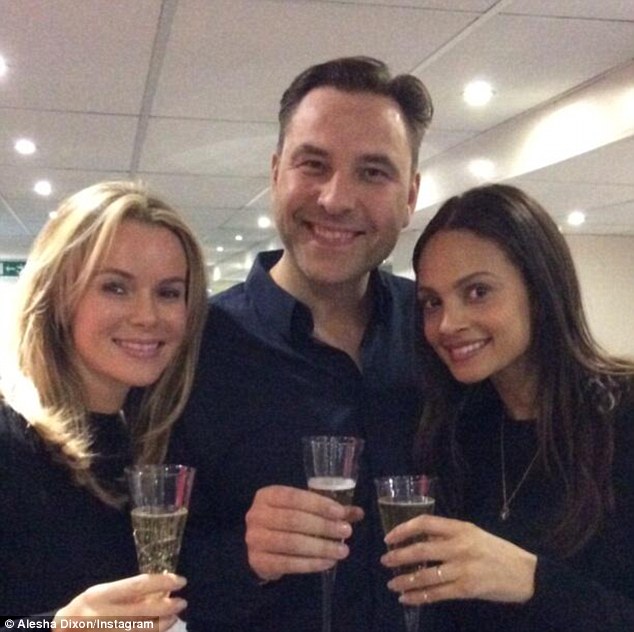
592, 591
57, 539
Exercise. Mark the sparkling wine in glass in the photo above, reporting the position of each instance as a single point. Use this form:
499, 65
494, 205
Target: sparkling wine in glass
159, 498
401, 498
331, 464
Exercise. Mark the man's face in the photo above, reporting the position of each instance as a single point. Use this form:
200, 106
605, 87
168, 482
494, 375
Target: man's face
343, 185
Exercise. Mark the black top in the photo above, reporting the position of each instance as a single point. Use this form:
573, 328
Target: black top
263, 383
592, 591
58, 539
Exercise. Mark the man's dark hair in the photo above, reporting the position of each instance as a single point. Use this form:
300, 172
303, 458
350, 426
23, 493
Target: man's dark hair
363, 74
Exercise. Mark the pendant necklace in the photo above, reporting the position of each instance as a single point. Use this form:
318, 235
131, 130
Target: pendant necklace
505, 511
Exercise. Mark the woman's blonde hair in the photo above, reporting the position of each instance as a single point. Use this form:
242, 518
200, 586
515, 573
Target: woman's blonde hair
43, 383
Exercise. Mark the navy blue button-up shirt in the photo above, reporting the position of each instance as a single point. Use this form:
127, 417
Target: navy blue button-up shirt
263, 383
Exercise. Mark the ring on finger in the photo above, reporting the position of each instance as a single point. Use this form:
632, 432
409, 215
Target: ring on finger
439, 573
425, 596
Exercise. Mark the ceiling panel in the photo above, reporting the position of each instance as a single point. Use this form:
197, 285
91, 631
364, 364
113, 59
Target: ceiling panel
611, 163
68, 140
183, 94
195, 190
457, 5
602, 10
209, 147
89, 56
240, 48
563, 198
16, 184
529, 61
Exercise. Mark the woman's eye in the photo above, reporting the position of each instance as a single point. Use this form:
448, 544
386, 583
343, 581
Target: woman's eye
477, 292
113, 287
429, 303
172, 293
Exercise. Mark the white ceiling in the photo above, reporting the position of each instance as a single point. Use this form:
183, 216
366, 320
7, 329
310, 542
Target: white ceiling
183, 94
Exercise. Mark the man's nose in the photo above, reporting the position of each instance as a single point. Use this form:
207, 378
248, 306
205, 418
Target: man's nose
338, 193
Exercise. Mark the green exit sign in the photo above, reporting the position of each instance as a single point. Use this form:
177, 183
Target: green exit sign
11, 267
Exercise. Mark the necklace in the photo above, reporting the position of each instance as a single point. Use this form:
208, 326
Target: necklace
505, 511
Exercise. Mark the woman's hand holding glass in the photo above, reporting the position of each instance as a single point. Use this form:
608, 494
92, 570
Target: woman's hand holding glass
401, 498
159, 496
468, 563
137, 597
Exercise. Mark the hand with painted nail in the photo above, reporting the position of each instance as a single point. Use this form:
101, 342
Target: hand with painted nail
293, 530
130, 599
457, 560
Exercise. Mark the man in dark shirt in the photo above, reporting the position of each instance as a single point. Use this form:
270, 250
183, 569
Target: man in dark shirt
316, 341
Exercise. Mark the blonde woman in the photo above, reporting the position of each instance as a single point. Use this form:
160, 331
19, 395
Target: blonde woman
107, 326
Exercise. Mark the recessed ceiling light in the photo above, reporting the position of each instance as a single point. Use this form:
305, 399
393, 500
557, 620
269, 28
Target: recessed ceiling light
219, 249
482, 168
43, 187
25, 146
477, 93
3, 66
576, 218
238, 237
264, 221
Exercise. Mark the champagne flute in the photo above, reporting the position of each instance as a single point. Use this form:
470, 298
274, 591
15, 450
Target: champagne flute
400, 499
331, 464
159, 497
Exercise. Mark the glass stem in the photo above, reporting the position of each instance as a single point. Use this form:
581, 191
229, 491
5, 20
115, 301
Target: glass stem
412, 615
327, 587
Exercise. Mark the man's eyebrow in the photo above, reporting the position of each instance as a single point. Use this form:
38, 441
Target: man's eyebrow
308, 148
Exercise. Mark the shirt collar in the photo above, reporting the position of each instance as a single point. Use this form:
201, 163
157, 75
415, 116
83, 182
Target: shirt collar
285, 312
275, 305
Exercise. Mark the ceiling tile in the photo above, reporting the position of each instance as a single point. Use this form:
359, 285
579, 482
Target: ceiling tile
89, 56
